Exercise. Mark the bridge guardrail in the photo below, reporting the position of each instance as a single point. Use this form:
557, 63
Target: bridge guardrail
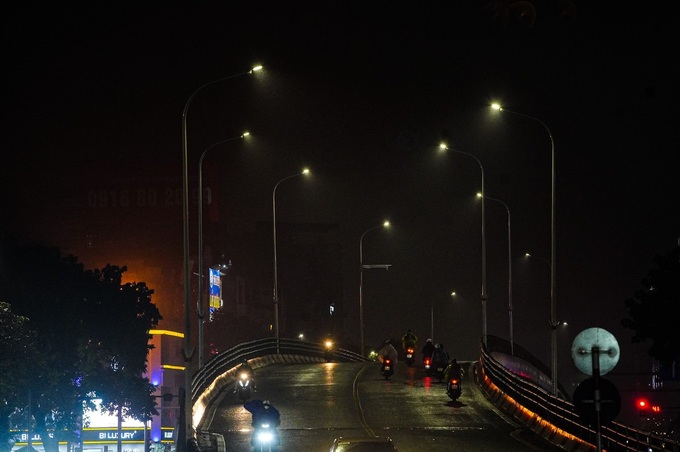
560, 413
232, 357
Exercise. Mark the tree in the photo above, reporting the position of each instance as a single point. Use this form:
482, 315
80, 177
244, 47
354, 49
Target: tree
18, 354
655, 308
93, 334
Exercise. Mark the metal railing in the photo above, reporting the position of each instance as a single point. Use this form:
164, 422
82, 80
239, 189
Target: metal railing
561, 413
232, 357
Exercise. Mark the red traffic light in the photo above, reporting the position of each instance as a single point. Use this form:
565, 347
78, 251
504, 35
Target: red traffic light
642, 404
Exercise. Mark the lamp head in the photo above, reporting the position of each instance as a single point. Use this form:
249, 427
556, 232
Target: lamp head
306, 171
386, 224
497, 106
255, 69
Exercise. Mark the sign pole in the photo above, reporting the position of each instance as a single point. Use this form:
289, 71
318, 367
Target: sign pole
595, 352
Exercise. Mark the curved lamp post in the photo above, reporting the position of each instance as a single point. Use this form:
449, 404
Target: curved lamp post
553, 302
201, 310
444, 147
507, 209
188, 350
386, 224
276, 269
453, 294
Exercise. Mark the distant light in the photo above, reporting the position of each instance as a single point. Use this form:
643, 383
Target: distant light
453, 294
301, 336
386, 224
166, 333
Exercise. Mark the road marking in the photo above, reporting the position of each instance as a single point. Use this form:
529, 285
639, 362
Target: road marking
357, 402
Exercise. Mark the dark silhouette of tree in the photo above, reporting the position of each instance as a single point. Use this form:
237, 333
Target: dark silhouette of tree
93, 337
655, 309
18, 355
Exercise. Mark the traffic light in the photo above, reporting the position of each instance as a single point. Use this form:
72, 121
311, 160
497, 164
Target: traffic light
644, 407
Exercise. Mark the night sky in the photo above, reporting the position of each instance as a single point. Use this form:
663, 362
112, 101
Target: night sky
363, 93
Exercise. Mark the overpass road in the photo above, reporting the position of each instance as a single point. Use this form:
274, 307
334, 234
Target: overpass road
321, 401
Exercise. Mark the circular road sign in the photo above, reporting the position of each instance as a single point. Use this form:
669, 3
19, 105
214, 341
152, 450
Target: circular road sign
582, 347
584, 401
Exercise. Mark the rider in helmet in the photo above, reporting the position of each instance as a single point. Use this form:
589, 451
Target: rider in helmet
388, 351
428, 348
409, 340
453, 370
245, 367
439, 355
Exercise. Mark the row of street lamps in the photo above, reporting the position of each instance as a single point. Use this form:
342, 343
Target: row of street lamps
188, 350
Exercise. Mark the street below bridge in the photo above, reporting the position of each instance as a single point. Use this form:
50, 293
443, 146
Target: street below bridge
322, 401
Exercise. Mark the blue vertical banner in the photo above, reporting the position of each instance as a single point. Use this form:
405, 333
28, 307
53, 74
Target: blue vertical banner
215, 290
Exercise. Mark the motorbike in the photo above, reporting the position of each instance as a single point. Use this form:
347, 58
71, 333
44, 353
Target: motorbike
328, 346
387, 368
427, 364
265, 437
410, 355
438, 369
453, 389
244, 387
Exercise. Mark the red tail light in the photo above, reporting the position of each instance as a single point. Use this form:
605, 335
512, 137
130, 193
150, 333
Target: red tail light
454, 381
428, 361
409, 350
388, 361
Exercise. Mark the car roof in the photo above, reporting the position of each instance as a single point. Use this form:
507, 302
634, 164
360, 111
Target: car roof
363, 443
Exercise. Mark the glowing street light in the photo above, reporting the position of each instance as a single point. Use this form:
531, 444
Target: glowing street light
453, 294
386, 224
444, 147
304, 172
188, 351
201, 311
507, 209
553, 303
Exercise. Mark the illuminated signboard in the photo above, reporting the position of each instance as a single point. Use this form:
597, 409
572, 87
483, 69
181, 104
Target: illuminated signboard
102, 436
215, 290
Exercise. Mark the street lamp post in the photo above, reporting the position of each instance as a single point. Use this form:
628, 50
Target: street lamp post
553, 301
385, 224
507, 209
483, 292
188, 350
453, 294
201, 308
276, 269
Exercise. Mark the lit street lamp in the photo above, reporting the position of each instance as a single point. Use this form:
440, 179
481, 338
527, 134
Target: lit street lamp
553, 302
512, 342
385, 224
444, 147
201, 311
276, 270
453, 294
188, 351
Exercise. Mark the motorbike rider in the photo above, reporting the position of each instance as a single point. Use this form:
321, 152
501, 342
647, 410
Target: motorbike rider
409, 340
428, 348
453, 370
263, 411
439, 355
388, 351
245, 367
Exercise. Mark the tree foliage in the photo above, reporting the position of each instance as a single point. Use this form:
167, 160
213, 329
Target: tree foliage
93, 333
654, 311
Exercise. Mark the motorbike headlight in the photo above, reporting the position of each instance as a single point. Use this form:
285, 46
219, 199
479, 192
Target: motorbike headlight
265, 437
